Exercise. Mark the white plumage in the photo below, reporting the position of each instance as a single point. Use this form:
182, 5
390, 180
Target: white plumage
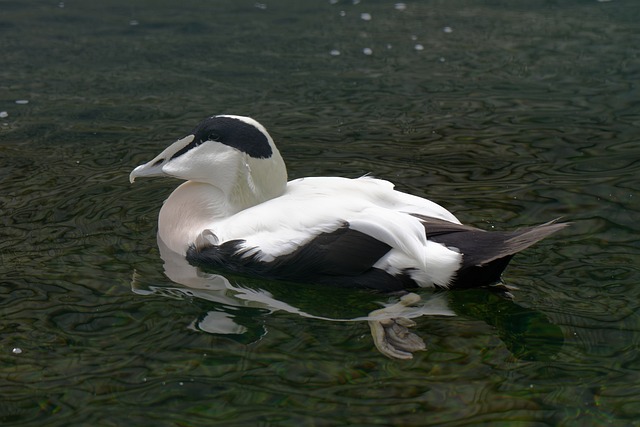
237, 212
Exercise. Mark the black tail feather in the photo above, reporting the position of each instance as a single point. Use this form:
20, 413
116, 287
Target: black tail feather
484, 254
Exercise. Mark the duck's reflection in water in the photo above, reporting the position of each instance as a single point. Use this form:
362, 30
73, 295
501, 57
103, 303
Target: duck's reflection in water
389, 324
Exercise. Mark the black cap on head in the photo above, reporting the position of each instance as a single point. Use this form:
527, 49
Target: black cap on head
233, 132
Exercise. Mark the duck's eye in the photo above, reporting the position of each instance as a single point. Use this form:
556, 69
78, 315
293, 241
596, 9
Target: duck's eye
213, 136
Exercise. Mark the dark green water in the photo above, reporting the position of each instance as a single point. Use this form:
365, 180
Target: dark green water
509, 113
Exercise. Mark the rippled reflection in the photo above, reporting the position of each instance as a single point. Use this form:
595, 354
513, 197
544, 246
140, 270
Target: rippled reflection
527, 333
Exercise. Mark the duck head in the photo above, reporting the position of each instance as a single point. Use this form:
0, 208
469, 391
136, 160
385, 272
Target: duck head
234, 154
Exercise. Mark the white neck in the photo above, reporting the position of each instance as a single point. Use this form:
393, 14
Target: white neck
196, 206
256, 181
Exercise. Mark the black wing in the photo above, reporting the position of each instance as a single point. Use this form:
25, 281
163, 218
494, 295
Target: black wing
344, 257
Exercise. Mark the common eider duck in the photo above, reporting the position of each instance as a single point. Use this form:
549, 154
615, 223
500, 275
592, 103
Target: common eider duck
236, 212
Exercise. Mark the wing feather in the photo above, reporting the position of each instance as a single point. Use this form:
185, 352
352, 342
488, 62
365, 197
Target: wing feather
328, 229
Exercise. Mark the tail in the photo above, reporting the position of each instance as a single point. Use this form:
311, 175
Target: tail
485, 255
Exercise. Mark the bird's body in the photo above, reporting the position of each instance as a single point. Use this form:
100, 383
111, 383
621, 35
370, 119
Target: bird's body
238, 212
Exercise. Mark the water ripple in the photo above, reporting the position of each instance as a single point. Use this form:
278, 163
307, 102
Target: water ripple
515, 116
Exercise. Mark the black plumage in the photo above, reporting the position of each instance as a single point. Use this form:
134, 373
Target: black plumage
346, 257
485, 254
343, 258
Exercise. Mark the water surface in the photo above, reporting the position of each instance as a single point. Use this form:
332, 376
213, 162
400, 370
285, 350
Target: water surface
507, 113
